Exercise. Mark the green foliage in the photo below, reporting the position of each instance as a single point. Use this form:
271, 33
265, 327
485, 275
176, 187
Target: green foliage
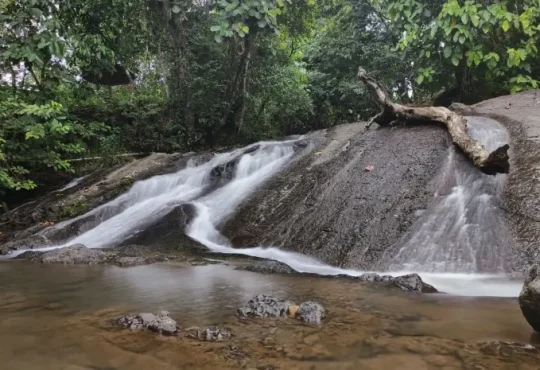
496, 42
348, 36
34, 137
225, 72
236, 18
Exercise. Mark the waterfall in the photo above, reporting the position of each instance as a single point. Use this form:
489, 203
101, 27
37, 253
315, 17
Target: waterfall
441, 248
464, 230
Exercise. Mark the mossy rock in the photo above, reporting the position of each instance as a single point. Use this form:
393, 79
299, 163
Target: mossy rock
76, 208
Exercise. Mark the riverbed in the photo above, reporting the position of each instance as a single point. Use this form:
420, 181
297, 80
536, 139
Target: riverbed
59, 317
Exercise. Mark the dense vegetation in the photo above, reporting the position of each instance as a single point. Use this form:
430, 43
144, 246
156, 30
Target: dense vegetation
100, 77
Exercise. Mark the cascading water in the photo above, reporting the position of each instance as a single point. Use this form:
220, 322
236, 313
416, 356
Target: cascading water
464, 230
445, 242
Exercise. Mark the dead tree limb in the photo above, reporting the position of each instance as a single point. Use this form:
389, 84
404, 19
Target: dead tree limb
489, 163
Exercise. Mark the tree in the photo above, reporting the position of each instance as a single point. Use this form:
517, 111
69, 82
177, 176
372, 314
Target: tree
491, 46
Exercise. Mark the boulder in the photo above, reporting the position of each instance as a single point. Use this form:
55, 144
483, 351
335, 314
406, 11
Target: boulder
211, 334
74, 255
311, 312
265, 306
375, 278
160, 323
31, 242
268, 267
132, 261
529, 298
413, 282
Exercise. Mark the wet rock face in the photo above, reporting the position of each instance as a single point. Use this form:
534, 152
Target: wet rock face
326, 205
520, 115
265, 306
75, 254
413, 282
31, 242
268, 267
168, 230
160, 323
529, 298
311, 312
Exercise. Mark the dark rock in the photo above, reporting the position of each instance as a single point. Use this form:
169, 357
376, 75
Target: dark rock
324, 205
30, 255
311, 312
370, 277
160, 323
73, 255
132, 261
268, 267
31, 242
265, 306
413, 282
529, 298
221, 174
211, 334
168, 229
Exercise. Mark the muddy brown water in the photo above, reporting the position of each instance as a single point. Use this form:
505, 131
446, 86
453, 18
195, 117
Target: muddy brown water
58, 317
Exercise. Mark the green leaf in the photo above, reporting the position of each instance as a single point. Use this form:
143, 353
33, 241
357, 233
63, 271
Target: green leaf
447, 51
176, 9
455, 60
35, 12
506, 26
420, 79
434, 31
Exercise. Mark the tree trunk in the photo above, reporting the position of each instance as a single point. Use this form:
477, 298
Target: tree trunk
244, 91
489, 163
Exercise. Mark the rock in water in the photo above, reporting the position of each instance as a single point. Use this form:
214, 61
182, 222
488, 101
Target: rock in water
268, 267
160, 323
211, 334
413, 282
529, 299
265, 306
311, 312
72, 255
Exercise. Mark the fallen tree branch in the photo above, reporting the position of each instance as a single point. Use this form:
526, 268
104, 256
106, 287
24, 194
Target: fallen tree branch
489, 163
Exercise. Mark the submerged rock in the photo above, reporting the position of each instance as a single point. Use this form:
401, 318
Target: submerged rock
160, 323
268, 267
311, 312
529, 298
72, 255
211, 334
269, 306
265, 306
413, 282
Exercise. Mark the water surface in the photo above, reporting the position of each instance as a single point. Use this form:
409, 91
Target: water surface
58, 317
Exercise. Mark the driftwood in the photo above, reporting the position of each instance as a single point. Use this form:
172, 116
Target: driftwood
489, 163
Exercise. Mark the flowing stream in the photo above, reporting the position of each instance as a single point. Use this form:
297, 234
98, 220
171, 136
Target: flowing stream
457, 245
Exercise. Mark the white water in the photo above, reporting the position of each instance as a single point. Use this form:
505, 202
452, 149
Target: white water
149, 200
463, 231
